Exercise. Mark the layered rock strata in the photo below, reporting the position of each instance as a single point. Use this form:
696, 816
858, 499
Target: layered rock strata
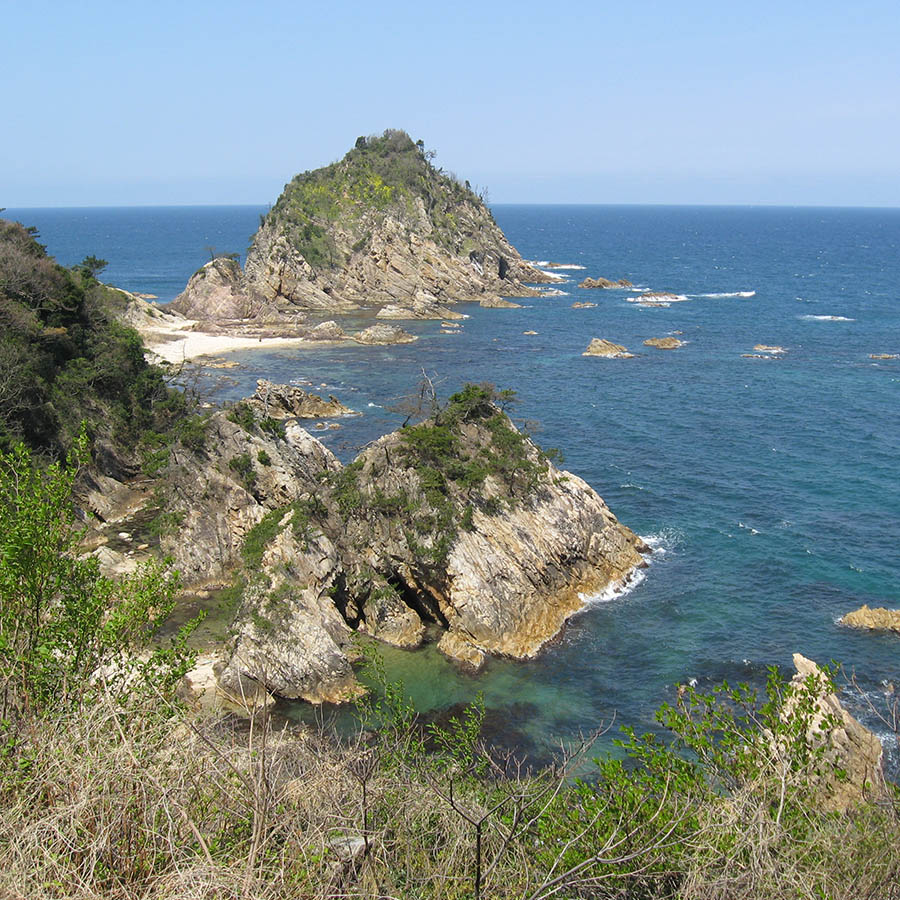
382, 227
459, 524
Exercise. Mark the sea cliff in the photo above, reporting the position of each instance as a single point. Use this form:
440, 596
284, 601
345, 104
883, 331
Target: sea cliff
380, 228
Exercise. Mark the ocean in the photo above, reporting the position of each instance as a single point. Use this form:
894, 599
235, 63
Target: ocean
768, 486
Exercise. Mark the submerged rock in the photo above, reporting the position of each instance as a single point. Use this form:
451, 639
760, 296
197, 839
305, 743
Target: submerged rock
498, 303
384, 334
607, 349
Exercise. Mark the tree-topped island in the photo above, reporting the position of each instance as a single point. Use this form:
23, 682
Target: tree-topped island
381, 227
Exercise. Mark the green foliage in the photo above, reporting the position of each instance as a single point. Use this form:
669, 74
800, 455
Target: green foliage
92, 266
382, 173
241, 414
259, 536
273, 427
65, 359
263, 458
242, 464
61, 621
347, 492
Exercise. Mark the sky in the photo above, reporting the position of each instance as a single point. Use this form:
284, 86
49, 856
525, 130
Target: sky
790, 102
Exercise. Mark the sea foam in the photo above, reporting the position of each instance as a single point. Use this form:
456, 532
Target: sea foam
728, 294
826, 318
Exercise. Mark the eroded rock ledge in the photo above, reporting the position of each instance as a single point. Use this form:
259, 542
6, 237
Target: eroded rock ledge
459, 524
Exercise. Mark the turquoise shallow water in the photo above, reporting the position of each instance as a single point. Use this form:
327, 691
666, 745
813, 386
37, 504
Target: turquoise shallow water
770, 487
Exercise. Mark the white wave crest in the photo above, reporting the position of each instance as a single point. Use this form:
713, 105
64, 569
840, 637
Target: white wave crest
615, 589
826, 318
728, 294
662, 541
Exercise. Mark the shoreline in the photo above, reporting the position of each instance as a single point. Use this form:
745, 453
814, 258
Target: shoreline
170, 337
196, 344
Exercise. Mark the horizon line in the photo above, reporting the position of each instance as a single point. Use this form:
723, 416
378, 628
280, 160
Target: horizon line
658, 204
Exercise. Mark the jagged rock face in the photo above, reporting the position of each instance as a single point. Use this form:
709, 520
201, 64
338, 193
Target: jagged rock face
384, 227
214, 291
290, 636
282, 401
221, 491
460, 522
500, 552
849, 746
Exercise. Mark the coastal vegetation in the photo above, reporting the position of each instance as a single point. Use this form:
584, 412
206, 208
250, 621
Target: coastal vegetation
113, 785
66, 359
380, 173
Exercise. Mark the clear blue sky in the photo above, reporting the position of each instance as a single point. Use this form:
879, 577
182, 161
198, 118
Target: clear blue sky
790, 102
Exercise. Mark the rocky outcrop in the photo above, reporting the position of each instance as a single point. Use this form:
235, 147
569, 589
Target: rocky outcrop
381, 227
585, 305
656, 298
607, 349
219, 491
664, 343
769, 348
422, 310
852, 754
214, 291
460, 523
605, 283
874, 619
498, 303
282, 401
383, 334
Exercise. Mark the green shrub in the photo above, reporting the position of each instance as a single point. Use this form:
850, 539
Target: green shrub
61, 621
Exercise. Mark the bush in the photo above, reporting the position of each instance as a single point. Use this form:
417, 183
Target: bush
61, 621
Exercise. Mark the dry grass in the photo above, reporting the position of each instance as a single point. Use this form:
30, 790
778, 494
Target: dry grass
113, 804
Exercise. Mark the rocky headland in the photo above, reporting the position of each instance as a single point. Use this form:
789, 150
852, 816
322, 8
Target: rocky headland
380, 228
458, 527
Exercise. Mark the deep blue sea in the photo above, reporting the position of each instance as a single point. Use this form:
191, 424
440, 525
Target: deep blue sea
769, 486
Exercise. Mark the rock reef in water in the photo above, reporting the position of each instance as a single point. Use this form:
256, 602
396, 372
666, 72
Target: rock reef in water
664, 343
380, 227
383, 334
460, 523
873, 618
605, 283
607, 349
282, 401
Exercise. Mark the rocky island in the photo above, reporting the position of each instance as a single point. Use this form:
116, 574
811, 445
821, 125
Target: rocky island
380, 228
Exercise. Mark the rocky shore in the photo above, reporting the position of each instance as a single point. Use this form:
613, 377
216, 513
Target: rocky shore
459, 525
